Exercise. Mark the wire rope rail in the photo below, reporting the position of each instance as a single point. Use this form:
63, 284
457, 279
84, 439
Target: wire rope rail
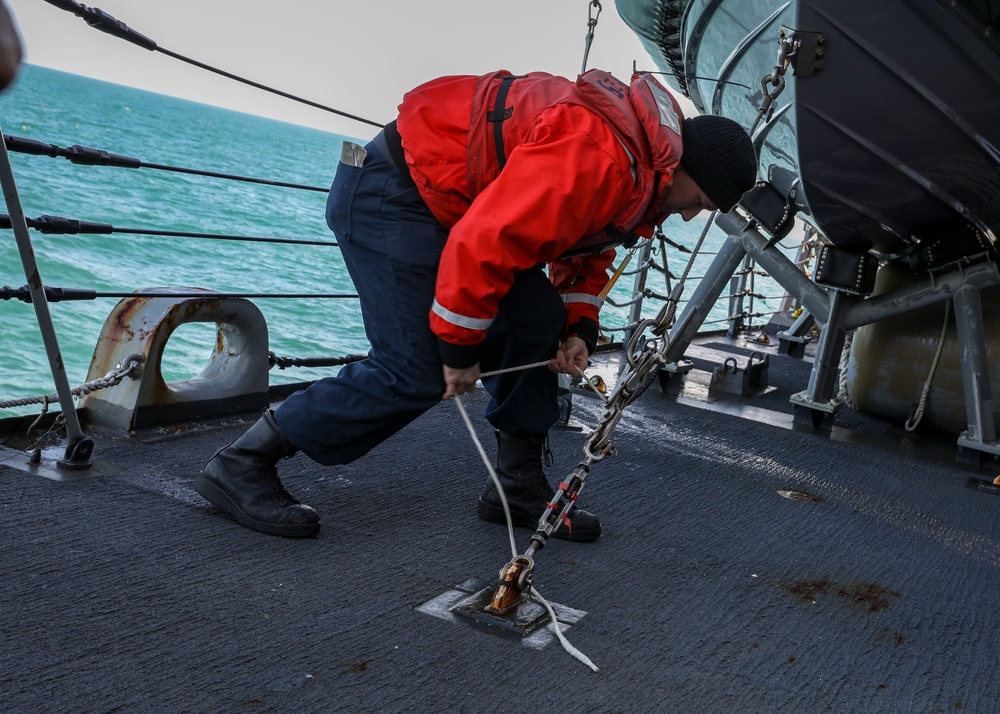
88, 156
60, 225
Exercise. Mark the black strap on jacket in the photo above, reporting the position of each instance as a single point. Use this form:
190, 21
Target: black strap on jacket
499, 114
390, 145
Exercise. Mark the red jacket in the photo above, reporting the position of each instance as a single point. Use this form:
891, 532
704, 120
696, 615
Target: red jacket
578, 161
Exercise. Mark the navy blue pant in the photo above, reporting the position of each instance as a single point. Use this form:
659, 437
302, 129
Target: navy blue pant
391, 245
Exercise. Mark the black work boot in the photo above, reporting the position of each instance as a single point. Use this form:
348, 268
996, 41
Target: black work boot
242, 479
519, 468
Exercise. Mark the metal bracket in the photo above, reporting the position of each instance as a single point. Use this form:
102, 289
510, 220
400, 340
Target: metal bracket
808, 51
793, 341
812, 413
671, 376
976, 451
77, 454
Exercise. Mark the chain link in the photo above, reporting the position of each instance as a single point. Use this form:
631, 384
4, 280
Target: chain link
591, 26
642, 366
787, 47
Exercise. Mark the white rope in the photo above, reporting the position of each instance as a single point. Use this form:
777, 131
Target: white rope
489, 467
567, 645
911, 424
583, 373
514, 369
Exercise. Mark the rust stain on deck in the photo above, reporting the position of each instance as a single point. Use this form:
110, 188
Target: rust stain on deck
871, 597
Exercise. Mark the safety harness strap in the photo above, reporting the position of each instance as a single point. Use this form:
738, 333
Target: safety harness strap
500, 114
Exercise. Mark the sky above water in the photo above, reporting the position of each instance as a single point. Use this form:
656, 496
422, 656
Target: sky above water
359, 57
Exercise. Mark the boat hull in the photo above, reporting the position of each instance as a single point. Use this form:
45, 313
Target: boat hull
887, 127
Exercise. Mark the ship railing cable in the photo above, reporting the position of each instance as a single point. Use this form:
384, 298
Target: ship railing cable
741, 316
88, 156
100, 20
61, 225
286, 362
641, 268
58, 294
662, 269
626, 303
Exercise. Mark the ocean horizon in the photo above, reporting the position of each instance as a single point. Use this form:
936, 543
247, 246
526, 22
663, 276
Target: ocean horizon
65, 109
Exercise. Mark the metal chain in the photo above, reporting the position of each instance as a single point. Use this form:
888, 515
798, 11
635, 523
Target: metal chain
591, 26
786, 49
631, 384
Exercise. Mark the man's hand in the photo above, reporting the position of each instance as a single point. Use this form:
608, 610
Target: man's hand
459, 381
571, 358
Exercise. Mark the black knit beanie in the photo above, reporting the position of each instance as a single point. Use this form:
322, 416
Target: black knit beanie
719, 156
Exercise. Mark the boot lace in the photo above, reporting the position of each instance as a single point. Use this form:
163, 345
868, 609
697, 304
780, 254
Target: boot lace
269, 472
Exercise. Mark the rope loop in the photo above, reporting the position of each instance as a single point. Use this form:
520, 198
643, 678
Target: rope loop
914, 421
131, 366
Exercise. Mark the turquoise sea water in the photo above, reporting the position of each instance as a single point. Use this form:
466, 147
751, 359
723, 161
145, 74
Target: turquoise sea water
66, 109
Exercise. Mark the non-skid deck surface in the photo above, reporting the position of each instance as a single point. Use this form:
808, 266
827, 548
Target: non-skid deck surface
874, 591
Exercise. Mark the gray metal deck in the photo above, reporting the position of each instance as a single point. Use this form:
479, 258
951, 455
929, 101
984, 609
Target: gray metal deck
708, 592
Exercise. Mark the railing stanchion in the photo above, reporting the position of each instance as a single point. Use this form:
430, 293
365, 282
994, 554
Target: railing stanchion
638, 290
78, 448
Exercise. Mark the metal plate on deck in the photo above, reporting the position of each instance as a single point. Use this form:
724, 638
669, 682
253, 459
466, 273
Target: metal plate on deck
443, 607
523, 618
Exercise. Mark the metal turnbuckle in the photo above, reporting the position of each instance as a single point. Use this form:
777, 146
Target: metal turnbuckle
517, 576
